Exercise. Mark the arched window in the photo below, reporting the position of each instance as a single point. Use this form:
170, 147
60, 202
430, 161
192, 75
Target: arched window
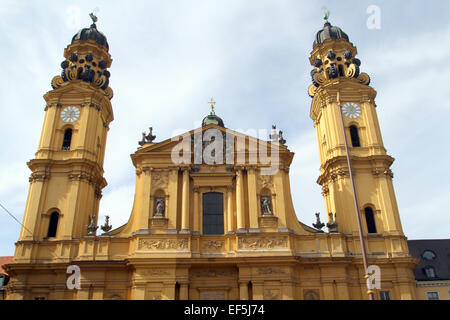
354, 136
67, 139
53, 225
213, 213
370, 220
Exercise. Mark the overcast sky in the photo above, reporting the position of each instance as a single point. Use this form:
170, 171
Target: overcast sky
171, 57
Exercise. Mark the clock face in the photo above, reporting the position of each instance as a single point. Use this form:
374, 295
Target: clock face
351, 110
70, 114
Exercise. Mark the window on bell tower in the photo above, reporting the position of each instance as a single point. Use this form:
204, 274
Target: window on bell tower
354, 136
67, 139
370, 220
53, 225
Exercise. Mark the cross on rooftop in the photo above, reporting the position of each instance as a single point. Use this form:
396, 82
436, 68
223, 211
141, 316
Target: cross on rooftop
212, 104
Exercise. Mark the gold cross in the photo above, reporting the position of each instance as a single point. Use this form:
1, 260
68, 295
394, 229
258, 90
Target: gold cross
212, 104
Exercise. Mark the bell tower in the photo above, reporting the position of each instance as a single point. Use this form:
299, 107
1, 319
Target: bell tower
344, 113
67, 172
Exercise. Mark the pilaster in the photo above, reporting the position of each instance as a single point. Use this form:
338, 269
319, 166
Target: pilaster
240, 201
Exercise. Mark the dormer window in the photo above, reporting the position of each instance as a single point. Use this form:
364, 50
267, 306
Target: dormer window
430, 272
428, 255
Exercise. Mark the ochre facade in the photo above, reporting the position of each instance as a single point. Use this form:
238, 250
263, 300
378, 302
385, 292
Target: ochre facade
164, 251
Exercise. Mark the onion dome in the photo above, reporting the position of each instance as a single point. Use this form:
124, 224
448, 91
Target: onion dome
91, 33
86, 61
329, 32
212, 118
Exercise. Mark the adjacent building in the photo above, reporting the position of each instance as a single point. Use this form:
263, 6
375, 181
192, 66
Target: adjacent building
4, 277
433, 270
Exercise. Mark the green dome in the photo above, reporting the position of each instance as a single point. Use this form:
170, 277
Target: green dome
212, 118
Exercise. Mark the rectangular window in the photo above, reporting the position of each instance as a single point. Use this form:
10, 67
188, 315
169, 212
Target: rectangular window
433, 295
385, 295
213, 213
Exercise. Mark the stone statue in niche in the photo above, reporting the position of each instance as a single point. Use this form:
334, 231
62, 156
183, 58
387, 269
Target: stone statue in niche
265, 205
159, 207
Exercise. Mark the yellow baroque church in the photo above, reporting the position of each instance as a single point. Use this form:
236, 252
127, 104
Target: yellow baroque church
213, 216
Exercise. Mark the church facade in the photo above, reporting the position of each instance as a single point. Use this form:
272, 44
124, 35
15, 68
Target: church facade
213, 216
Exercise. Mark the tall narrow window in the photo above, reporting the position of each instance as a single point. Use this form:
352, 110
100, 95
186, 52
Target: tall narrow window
67, 139
370, 220
354, 136
53, 225
213, 213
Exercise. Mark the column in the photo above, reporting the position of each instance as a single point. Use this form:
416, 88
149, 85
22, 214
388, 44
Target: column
184, 291
98, 292
258, 290
173, 200
83, 293
67, 222
48, 129
144, 195
240, 201
196, 213
138, 291
185, 202
230, 227
243, 290
342, 290
252, 200
328, 290
287, 288
32, 210
278, 181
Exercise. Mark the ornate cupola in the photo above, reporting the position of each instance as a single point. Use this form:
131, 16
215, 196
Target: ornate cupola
87, 59
334, 57
212, 118
91, 33
329, 32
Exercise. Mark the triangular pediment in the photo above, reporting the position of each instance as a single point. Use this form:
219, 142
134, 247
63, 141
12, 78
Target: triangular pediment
232, 142
168, 144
